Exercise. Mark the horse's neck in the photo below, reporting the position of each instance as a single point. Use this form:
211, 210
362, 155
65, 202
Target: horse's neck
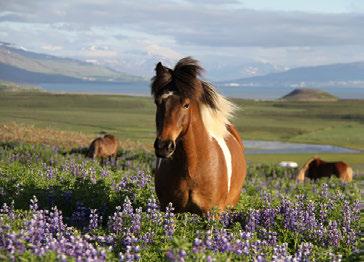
195, 143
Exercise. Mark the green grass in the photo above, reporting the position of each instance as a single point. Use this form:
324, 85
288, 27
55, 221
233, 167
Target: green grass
337, 123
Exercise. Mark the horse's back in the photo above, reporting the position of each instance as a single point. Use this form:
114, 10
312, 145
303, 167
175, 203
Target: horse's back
319, 168
104, 146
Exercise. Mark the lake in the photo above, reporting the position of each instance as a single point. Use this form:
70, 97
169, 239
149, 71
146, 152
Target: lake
276, 147
143, 89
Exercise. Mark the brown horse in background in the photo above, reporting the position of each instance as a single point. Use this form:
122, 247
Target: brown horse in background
316, 168
103, 147
200, 163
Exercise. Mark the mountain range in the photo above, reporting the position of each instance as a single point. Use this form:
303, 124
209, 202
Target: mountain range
20, 65
333, 75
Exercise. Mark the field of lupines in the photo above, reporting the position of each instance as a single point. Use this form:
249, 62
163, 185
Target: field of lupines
57, 206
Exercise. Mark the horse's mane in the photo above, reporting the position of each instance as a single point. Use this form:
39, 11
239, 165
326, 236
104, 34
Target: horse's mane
216, 110
302, 173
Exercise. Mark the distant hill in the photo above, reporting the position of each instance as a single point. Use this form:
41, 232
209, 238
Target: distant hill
13, 87
308, 94
334, 75
41, 67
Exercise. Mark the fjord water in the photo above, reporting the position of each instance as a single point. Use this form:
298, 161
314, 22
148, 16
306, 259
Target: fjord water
252, 146
143, 89
277, 147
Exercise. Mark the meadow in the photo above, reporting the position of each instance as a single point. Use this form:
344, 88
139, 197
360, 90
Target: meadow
57, 205
131, 118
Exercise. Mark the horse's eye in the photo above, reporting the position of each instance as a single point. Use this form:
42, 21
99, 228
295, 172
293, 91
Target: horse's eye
186, 106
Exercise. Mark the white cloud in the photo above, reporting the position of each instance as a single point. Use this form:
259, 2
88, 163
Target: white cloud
160, 51
220, 33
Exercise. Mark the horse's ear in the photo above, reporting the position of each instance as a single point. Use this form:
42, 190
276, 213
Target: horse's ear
163, 76
160, 69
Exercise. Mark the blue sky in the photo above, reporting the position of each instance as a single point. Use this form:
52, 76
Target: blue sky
226, 36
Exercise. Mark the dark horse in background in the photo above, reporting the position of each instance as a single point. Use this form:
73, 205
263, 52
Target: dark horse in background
103, 147
316, 168
201, 162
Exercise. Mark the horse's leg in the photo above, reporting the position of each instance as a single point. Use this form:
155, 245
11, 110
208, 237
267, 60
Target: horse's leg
115, 158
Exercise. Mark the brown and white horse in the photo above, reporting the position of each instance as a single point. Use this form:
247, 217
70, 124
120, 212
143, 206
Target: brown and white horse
316, 168
201, 162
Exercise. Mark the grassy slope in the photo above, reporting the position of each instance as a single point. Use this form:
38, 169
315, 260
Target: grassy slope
309, 94
337, 123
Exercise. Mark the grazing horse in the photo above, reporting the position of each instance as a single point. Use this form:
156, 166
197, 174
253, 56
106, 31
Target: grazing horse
316, 168
200, 155
103, 147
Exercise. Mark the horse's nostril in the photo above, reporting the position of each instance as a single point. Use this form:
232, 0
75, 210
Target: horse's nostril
171, 145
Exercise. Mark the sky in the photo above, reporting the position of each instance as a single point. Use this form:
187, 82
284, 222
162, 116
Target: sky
228, 37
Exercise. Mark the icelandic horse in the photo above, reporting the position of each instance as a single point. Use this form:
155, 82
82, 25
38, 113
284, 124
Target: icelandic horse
105, 146
316, 168
200, 155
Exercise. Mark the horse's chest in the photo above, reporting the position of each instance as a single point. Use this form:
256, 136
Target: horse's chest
172, 189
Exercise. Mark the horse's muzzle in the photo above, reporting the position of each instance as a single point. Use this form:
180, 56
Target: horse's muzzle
164, 148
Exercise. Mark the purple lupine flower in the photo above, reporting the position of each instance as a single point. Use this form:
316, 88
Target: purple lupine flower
127, 207
104, 173
267, 217
303, 252
197, 245
319, 232
176, 256
168, 222
253, 220
131, 254
8, 210
115, 222
153, 210
34, 204
324, 193
222, 240
269, 236
130, 239
95, 219
323, 212
147, 238
334, 235
50, 172
136, 220
280, 252
309, 216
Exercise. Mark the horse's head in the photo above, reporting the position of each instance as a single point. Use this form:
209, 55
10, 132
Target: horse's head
174, 107
180, 96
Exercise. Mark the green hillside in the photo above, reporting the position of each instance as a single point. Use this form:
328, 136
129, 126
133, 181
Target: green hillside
309, 94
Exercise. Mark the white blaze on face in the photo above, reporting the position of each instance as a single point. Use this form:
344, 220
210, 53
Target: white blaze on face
165, 96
